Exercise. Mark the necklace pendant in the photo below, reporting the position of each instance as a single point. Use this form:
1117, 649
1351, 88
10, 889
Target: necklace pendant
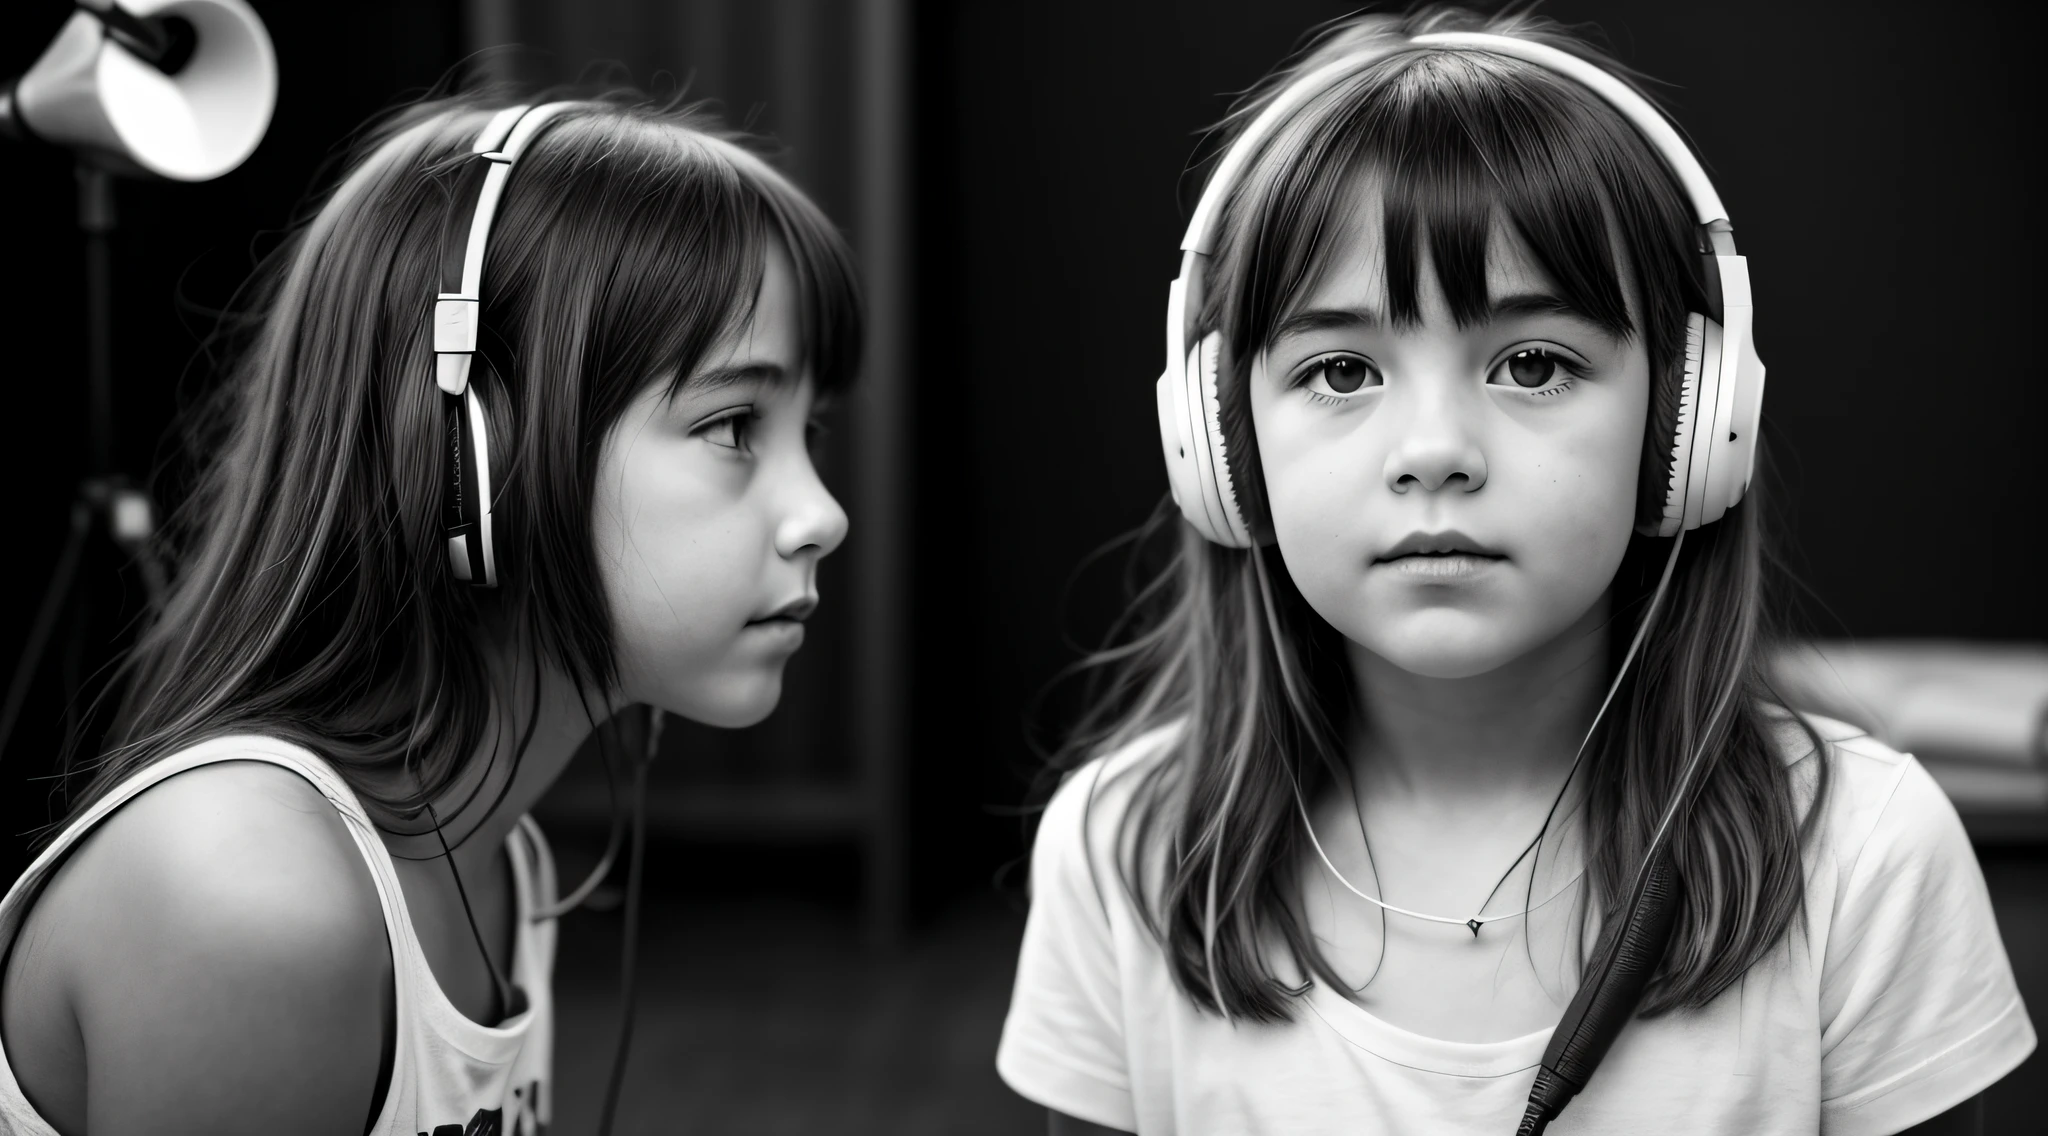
1475, 924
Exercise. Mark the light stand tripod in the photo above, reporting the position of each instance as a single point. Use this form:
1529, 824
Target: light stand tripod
174, 89
104, 496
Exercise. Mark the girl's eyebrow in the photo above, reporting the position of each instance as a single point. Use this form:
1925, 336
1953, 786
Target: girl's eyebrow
1327, 319
1535, 304
721, 377
1361, 318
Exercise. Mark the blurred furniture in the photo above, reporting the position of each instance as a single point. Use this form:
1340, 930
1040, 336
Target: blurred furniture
826, 81
1975, 714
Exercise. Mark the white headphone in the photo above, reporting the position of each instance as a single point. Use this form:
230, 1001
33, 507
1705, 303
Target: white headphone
1721, 399
472, 552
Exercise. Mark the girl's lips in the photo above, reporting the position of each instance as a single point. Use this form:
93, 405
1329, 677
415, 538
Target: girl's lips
778, 631
1435, 544
1440, 568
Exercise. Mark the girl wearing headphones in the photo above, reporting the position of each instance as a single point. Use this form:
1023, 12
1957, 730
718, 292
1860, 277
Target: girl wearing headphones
1443, 755
521, 439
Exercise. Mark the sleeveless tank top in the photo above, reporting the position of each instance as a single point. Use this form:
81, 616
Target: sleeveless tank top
449, 1075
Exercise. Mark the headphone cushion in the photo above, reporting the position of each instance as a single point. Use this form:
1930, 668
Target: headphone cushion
1208, 371
1679, 468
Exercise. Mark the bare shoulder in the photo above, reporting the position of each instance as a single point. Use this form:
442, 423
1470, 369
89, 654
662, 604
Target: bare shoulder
217, 948
236, 846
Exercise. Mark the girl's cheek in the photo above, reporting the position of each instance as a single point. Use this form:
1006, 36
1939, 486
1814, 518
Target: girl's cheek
1577, 526
1291, 461
677, 612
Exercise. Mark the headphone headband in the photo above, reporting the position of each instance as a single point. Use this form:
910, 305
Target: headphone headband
456, 309
472, 551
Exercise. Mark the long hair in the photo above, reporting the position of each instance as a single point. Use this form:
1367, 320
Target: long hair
313, 599
1258, 687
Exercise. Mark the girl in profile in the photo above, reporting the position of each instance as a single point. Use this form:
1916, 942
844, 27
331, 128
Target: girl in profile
472, 490
1457, 664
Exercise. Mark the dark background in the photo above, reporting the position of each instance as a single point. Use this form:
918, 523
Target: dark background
1877, 163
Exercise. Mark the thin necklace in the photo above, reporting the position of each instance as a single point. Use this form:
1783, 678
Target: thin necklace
1474, 923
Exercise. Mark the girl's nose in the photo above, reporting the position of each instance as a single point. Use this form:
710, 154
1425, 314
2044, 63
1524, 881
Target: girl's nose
1436, 448
814, 521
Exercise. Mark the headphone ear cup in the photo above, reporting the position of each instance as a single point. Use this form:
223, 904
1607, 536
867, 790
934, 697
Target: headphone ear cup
1730, 455
1177, 441
1191, 435
466, 510
1747, 424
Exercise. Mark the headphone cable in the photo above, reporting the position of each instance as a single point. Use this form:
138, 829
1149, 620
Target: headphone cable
1631, 945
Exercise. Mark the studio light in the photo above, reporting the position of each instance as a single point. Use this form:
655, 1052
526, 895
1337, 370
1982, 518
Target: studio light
178, 89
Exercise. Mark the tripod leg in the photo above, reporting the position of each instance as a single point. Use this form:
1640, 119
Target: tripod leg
71, 660
46, 620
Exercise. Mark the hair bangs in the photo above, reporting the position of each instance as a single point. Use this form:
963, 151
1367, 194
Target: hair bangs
688, 218
1452, 144
828, 287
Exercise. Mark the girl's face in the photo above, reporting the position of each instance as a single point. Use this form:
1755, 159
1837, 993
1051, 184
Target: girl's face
710, 521
1449, 498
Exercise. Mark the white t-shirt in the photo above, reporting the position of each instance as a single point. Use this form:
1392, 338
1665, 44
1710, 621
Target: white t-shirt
1895, 1003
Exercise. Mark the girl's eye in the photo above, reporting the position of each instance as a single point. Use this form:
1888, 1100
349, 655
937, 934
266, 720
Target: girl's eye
1339, 375
729, 432
1535, 368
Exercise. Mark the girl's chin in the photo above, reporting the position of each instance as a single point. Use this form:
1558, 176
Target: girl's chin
1436, 651
731, 702
1448, 665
